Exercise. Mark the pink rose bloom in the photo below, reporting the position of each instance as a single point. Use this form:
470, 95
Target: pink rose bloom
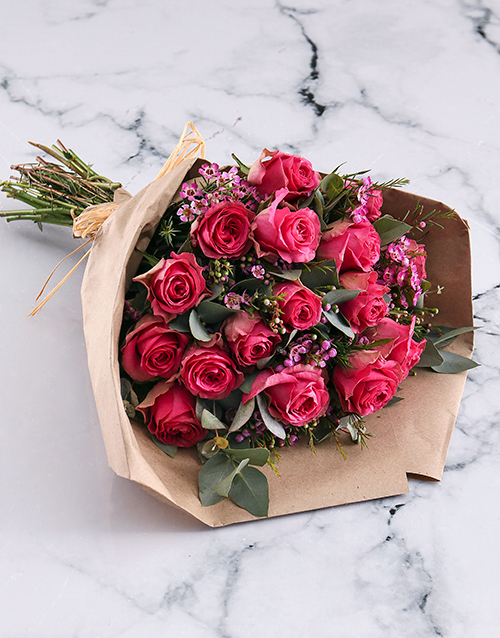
369, 307
353, 246
174, 285
373, 205
297, 396
170, 414
301, 308
402, 348
152, 350
249, 338
223, 231
369, 384
293, 235
281, 170
209, 372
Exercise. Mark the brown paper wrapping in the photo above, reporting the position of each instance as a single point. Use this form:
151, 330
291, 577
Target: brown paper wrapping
411, 437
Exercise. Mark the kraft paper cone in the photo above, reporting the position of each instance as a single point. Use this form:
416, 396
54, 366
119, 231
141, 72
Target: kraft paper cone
411, 437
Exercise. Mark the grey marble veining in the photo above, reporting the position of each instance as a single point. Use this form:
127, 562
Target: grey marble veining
403, 88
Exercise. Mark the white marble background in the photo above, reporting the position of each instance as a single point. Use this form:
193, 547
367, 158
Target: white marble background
406, 88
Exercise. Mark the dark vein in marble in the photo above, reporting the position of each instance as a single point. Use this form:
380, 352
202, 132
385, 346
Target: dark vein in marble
482, 22
307, 88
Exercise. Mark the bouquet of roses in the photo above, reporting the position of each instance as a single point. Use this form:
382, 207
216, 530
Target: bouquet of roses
272, 304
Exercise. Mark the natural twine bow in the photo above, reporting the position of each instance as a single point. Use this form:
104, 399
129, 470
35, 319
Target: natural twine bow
91, 219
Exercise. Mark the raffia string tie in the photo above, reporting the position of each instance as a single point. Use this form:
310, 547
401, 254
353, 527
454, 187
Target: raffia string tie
86, 225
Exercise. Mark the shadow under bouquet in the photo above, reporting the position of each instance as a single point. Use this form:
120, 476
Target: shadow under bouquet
246, 326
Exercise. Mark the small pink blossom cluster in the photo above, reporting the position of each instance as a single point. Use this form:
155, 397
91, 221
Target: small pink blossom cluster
403, 270
225, 186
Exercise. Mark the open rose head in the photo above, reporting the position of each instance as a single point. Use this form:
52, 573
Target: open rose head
369, 384
153, 350
293, 235
297, 396
174, 285
169, 412
354, 246
223, 231
275, 170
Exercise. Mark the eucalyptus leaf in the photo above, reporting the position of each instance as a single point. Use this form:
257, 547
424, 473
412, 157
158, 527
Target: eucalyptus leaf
211, 474
252, 285
338, 320
321, 274
211, 312
198, 330
440, 341
243, 414
341, 295
201, 404
210, 422
290, 275
430, 356
255, 456
250, 490
390, 229
222, 488
216, 291
168, 449
454, 363
247, 384
180, 323
275, 427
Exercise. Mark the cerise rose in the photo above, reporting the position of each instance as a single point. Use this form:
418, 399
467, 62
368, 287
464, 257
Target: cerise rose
297, 396
209, 372
223, 231
274, 170
174, 285
249, 338
169, 412
293, 235
401, 346
353, 246
369, 307
369, 384
152, 350
300, 307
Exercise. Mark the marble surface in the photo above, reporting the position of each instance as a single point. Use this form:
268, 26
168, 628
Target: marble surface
404, 88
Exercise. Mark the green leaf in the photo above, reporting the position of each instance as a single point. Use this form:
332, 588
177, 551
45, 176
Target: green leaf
243, 167
211, 474
390, 229
341, 295
168, 449
255, 456
430, 356
290, 275
151, 259
211, 312
253, 285
247, 384
242, 415
210, 422
338, 320
180, 323
216, 290
224, 486
270, 422
440, 341
250, 490
198, 330
322, 274
454, 363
